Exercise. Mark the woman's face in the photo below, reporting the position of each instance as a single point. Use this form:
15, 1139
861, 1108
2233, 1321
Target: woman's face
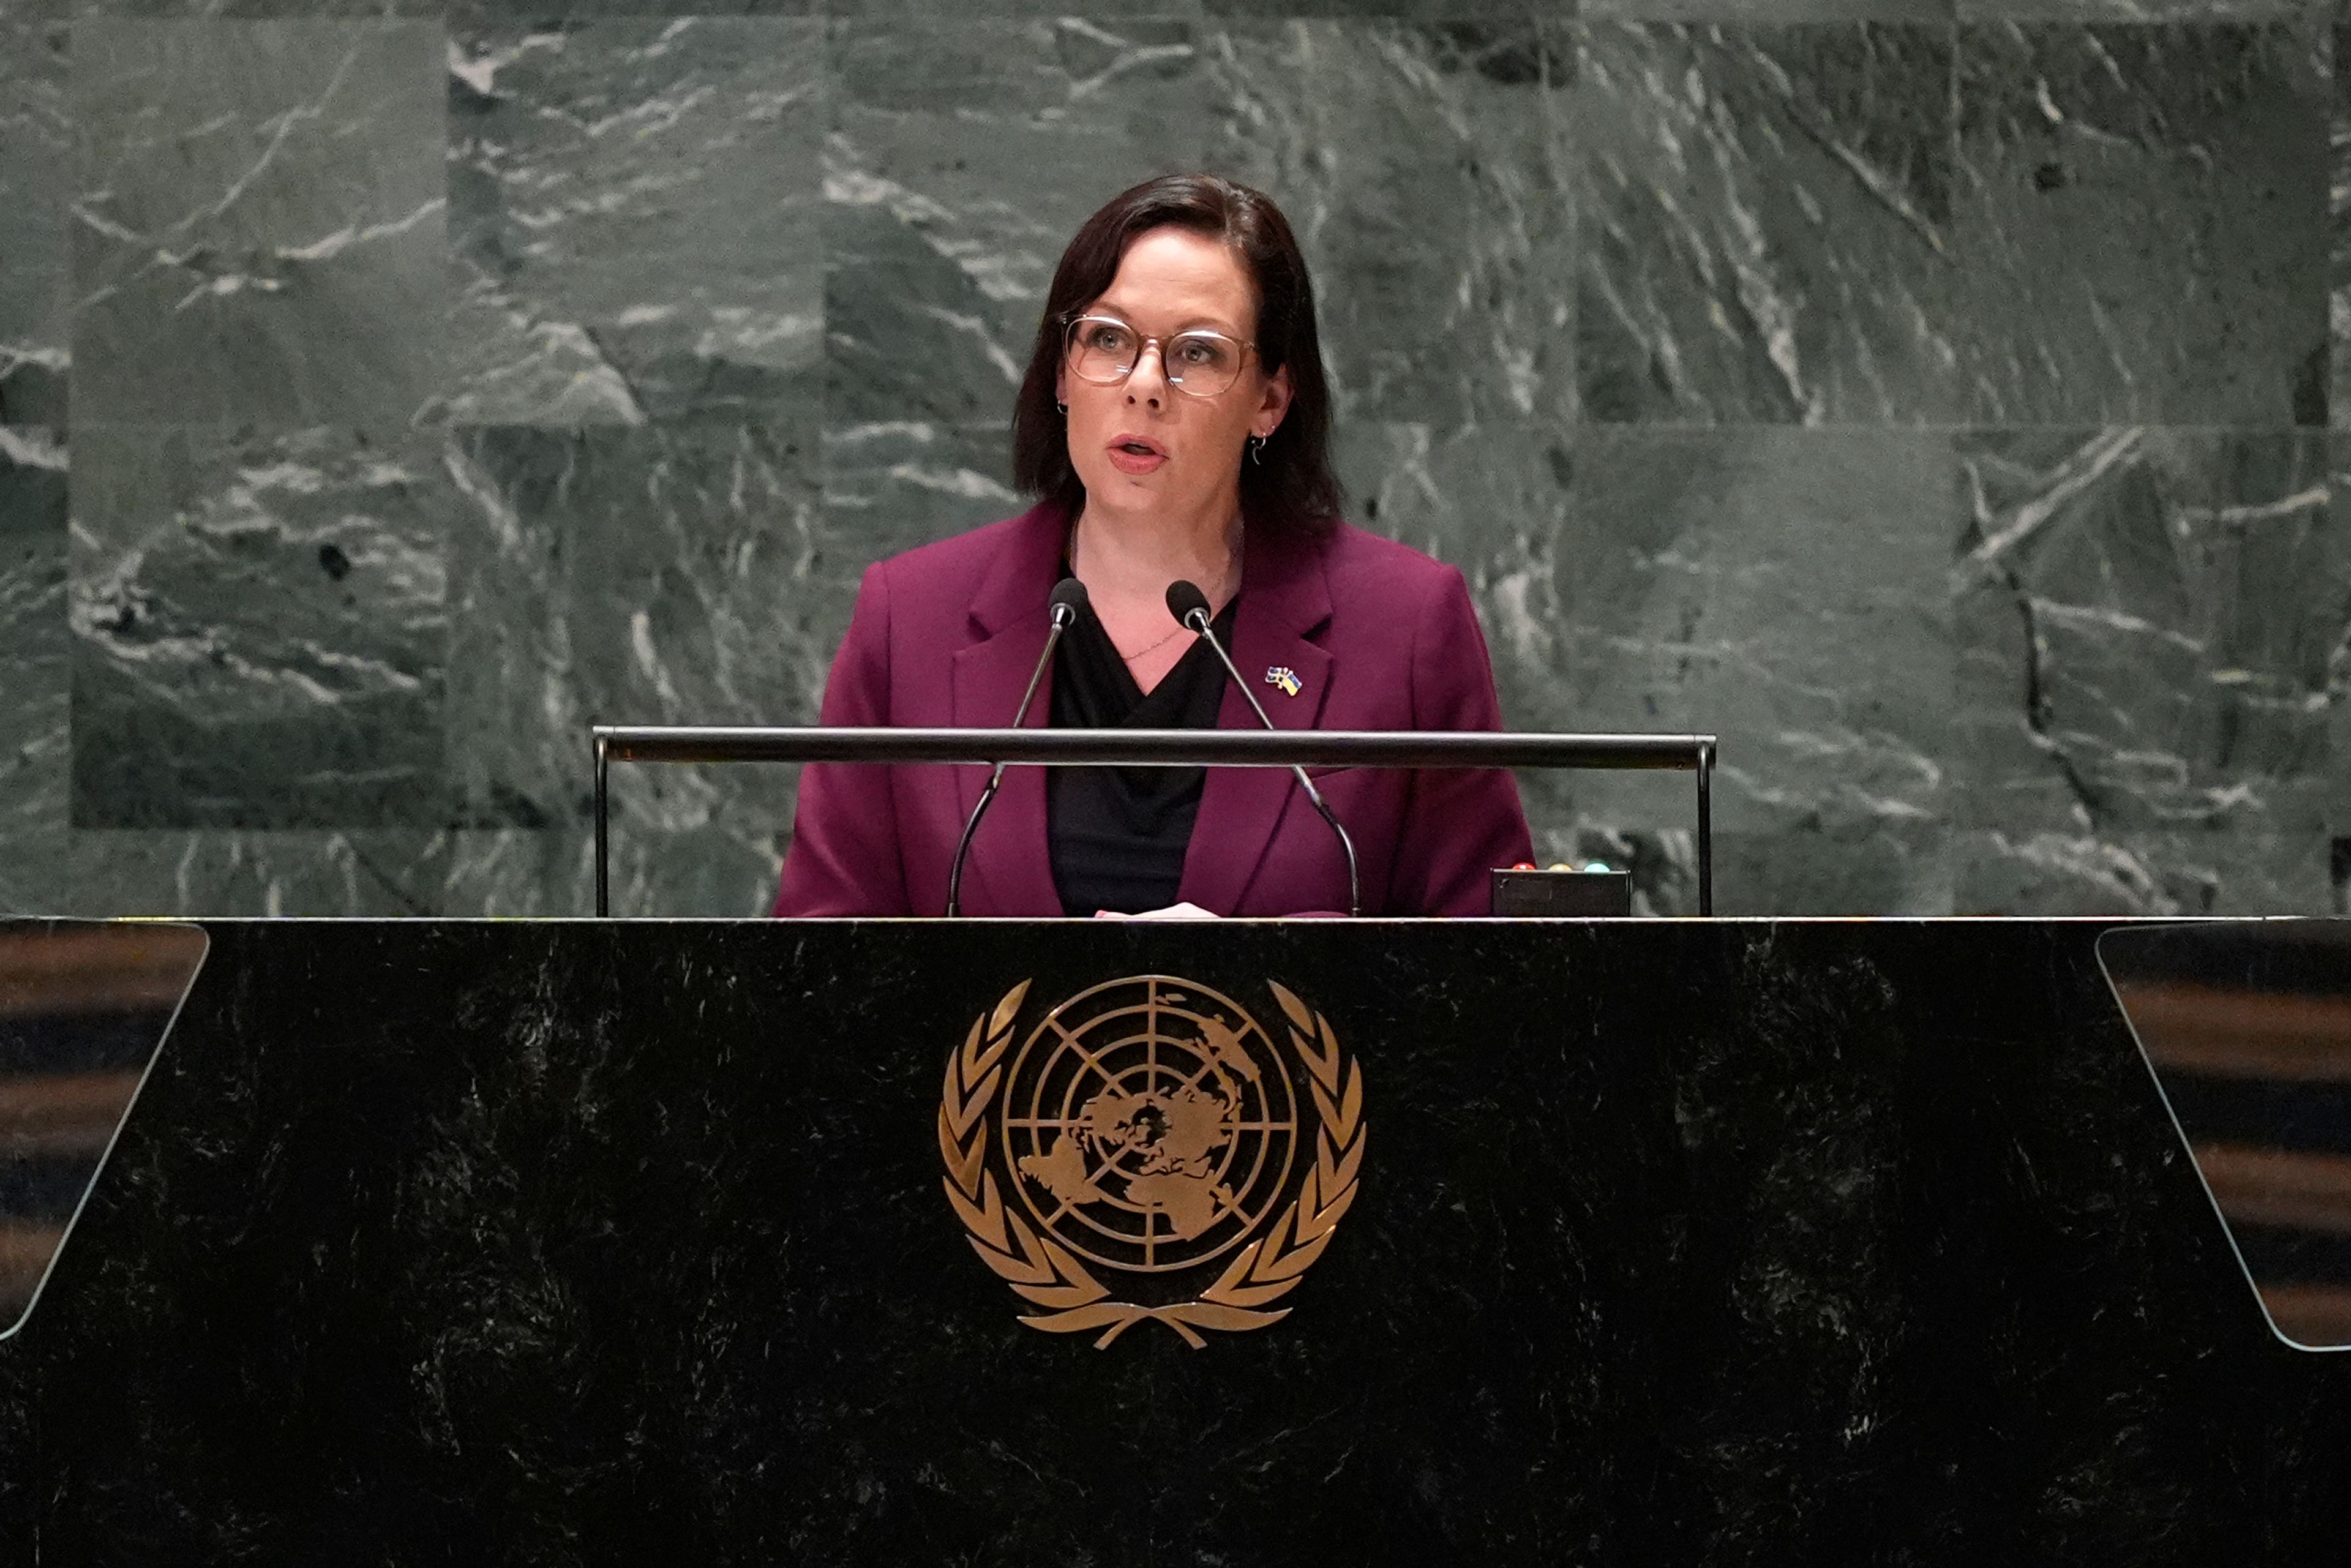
1142, 445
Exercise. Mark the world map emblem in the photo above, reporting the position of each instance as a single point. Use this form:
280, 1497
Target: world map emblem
1147, 1151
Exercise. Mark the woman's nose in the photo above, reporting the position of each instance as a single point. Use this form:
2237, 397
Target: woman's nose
1151, 386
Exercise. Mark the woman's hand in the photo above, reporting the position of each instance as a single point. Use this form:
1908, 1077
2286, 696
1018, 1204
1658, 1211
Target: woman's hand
1173, 912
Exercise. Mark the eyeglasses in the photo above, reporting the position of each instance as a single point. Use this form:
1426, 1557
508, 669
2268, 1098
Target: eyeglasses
1104, 350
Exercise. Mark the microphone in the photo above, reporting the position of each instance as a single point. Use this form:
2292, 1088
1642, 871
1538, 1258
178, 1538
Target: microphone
1069, 599
1190, 608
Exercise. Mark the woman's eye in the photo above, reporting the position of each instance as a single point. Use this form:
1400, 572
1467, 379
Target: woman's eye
1199, 353
1109, 339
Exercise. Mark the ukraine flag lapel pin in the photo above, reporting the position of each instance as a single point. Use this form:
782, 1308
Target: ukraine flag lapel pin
1283, 677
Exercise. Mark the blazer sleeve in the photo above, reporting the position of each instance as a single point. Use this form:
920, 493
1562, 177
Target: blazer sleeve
1460, 823
844, 859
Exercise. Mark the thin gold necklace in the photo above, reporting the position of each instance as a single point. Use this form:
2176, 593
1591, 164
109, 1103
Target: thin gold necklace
1130, 658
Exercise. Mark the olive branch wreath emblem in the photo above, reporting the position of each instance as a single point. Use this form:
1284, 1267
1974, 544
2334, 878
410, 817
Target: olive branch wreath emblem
1044, 1272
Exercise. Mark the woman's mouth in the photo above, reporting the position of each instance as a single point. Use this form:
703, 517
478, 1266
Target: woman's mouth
1134, 455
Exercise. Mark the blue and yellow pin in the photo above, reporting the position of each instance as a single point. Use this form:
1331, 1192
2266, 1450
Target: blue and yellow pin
1283, 677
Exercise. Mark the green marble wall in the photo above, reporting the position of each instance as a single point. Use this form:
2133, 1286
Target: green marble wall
1935, 403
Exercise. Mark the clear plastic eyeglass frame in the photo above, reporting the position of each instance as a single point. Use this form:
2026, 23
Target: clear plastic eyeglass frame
1198, 362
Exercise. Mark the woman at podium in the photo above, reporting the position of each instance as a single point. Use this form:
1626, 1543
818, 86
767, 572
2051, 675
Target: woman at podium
1174, 423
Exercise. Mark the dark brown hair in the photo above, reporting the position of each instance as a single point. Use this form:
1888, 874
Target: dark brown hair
1288, 485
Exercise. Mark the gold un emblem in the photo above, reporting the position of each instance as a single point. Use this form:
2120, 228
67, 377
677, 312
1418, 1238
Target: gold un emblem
1157, 1143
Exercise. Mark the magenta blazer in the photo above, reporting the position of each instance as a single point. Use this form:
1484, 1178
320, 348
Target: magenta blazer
1377, 635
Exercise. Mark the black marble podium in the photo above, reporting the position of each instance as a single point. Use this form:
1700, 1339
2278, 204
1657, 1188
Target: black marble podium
1813, 1242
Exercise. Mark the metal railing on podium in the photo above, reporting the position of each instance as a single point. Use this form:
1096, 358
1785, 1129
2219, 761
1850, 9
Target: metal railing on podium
1156, 749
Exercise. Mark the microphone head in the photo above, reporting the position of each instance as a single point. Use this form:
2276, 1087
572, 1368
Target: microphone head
1069, 600
1185, 601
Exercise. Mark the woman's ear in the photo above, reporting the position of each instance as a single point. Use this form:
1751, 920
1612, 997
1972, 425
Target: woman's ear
1274, 404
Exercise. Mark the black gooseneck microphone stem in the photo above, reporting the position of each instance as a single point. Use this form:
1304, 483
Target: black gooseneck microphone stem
1064, 615
1197, 621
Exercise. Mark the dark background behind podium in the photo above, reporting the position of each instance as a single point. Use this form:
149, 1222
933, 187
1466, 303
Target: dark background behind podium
1937, 404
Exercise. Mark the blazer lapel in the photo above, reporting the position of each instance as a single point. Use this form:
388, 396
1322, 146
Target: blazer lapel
1284, 598
1011, 869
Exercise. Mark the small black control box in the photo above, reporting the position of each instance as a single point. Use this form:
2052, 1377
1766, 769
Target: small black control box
1581, 894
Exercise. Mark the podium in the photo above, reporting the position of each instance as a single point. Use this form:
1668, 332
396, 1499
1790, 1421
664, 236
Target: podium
1795, 1241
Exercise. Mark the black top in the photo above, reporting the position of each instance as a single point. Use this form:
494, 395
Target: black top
1117, 835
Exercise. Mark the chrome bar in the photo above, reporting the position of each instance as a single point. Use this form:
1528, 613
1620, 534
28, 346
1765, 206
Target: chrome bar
1153, 747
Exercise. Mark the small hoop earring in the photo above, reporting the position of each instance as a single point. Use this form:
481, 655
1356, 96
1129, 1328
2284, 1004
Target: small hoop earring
1063, 406
1257, 449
